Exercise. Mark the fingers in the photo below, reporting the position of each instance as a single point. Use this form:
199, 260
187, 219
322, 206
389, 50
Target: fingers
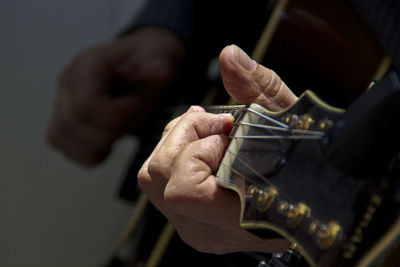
248, 82
84, 143
109, 89
178, 176
192, 186
205, 215
156, 171
83, 86
191, 127
79, 142
86, 119
143, 173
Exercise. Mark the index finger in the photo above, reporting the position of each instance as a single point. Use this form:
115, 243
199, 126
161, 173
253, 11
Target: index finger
191, 127
144, 169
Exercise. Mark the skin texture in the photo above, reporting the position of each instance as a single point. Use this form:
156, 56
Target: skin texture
178, 176
105, 91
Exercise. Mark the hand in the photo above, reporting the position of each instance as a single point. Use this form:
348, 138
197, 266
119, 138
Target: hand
105, 91
178, 176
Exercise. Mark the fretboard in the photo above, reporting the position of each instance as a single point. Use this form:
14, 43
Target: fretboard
237, 111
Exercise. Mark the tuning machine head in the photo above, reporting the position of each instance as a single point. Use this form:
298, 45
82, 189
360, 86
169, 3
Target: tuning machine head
295, 213
326, 234
264, 197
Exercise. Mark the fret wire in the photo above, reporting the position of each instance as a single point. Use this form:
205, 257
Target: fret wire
221, 109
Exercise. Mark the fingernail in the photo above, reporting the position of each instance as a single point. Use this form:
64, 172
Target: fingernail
227, 115
243, 59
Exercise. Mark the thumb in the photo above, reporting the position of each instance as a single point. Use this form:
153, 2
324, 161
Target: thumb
249, 82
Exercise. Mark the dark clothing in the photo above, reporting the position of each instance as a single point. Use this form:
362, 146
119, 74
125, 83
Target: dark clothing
207, 26
231, 21
176, 15
384, 18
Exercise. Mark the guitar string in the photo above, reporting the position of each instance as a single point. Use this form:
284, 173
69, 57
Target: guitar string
270, 127
294, 137
308, 134
240, 109
303, 134
267, 118
262, 177
242, 175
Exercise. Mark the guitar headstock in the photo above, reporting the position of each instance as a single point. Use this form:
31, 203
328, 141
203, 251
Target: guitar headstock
287, 186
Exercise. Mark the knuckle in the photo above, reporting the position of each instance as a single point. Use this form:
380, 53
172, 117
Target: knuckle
156, 169
193, 116
190, 118
271, 83
200, 124
210, 150
152, 168
143, 176
189, 149
170, 125
145, 179
174, 199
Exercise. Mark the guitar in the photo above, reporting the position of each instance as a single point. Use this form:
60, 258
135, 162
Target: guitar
325, 179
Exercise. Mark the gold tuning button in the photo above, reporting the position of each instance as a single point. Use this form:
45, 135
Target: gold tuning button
305, 122
325, 124
296, 214
290, 120
264, 197
327, 234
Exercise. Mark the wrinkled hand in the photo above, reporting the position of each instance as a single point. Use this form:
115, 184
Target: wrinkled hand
105, 91
178, 176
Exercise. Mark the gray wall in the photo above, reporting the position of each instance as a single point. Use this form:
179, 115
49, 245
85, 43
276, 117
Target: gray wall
52, 213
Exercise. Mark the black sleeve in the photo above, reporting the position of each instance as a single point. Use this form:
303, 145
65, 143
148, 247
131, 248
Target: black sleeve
178, 16
384, 18
223, 22
209, 24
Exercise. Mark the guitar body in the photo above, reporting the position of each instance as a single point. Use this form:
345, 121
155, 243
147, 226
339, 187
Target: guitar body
289, 186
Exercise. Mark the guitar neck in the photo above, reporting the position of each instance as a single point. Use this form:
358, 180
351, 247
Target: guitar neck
237, 111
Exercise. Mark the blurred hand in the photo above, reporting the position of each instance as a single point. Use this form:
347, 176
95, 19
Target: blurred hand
178, 176
106, 90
